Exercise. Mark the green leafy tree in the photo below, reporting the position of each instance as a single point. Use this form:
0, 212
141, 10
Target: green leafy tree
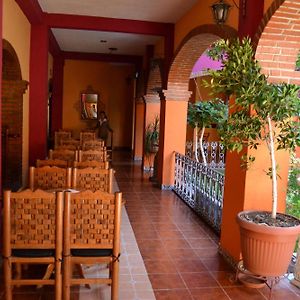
261, 112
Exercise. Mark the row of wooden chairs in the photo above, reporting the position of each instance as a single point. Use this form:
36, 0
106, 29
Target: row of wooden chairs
62, 229
78, 155
62, 135
72, 144
73, 164
54, 178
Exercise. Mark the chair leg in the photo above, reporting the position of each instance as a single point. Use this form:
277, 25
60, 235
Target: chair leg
58, 281
7, 279
67, 273
80, 270
49, 271
115, 280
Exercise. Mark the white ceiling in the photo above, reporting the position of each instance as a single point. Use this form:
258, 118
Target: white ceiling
165, 11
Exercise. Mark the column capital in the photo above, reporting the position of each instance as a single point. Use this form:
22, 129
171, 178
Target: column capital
152, 98
177, 95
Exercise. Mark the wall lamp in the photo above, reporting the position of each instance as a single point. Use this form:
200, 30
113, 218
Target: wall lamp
220, 11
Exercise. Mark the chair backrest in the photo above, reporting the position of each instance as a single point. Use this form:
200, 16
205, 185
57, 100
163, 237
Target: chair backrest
49, 178
92, 179
91, 164
32, 220
63, 154
52, 163
70, 144
86, 136
92, 221
93, 145
92, 155
61, 135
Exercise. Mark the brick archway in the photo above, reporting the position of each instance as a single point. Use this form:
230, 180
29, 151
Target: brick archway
13, 88
279, 42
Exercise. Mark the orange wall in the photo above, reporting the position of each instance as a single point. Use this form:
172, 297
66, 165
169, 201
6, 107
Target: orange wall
16, 30
201, 14
116, 92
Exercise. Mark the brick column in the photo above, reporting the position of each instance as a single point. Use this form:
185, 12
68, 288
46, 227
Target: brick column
38, 96
173, 124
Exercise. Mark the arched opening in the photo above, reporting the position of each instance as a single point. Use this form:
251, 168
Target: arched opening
13, 88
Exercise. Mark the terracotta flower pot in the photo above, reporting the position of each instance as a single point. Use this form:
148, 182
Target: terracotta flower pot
266, 250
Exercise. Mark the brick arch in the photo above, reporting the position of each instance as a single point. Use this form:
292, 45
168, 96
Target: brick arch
11, 69
13, 88
279, 42
191, 48
154, 84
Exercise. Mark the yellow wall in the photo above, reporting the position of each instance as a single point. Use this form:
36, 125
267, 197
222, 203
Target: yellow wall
16, 30
115, 90
201, 14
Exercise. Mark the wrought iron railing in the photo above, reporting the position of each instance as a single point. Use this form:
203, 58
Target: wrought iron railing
201, 187
214, 153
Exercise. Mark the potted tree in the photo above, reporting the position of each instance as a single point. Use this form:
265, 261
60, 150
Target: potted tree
259, 112
202, 115
152, 137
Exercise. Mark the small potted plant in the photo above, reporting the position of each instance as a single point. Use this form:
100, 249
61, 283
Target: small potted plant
259, 113
202, 115
152, 137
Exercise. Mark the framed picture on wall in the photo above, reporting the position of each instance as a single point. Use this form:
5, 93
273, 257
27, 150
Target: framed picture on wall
89, 106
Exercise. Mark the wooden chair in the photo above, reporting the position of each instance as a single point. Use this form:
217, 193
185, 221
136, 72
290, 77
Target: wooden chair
87, 136
52, 163
92, 155
63, 154
49, 178
32, 234
91, 236
61, 135
94, 179
93, 145
91, 164
69, 144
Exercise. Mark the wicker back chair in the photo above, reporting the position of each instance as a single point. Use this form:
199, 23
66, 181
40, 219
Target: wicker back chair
92, 155
52, 163
49, 178
63, 154
91, 164
32, 233
94, 179
93, 145
87, 136
61, 135
91, 236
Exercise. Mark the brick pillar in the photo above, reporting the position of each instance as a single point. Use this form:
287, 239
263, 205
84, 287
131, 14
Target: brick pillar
138, 129
57, 94
38, 96
152, 109
173, 123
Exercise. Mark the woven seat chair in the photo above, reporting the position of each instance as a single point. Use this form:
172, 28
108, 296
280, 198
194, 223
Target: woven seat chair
92, 155
93, 145
49, 178
94, 179
91, 236
87, 136
32, 234
61, 135
52, 163
63, 154
91, 164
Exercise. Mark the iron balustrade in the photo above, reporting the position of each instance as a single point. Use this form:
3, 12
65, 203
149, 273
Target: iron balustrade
201, 187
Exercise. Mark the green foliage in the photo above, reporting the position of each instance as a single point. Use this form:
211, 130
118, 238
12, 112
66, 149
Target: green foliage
298, 62
205, 113
241, 78
152, 135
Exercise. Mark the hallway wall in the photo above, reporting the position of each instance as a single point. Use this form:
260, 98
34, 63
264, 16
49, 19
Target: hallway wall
112, 82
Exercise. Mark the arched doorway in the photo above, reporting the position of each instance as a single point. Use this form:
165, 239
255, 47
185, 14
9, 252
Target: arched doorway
13, 88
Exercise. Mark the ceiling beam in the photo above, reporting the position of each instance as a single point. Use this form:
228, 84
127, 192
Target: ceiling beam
32, 11
108, 24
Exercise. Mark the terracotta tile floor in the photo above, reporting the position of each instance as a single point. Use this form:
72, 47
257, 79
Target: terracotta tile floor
178, 251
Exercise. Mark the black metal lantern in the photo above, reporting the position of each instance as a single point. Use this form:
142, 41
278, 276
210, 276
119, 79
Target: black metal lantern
220, 11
